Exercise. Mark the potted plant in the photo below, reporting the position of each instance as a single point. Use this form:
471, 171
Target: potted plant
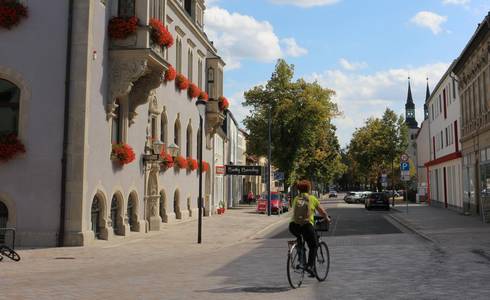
122, 154
170, 74
194, 91
167, 161
203, 96
223, 103
181, 82
192, 164
159, 34
181, 162
10, 146
120, 27
11, 13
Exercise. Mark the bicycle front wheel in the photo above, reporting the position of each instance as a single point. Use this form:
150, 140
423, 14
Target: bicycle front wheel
294, 268
322, 262
10, 253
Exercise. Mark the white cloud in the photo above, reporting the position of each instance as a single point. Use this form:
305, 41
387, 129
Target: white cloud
456, 2
240, 37
429, 20
352, 66
362, 96
291, 48
306, 3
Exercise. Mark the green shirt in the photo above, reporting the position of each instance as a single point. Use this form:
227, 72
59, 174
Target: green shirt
313, 203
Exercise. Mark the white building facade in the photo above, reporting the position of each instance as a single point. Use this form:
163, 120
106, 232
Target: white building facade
116, 94
445, 165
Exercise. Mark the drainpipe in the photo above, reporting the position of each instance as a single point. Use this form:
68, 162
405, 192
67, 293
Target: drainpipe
61, 232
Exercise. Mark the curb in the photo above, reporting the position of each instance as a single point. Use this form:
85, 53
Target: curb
409, 226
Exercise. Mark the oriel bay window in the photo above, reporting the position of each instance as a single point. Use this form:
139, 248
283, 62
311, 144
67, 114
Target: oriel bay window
9, 108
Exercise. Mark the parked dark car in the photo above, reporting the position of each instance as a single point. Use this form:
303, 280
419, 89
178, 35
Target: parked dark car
377, 200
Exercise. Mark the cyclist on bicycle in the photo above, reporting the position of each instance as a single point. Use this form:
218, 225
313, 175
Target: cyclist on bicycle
302, 222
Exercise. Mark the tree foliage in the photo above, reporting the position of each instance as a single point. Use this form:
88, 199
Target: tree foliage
304, 144
377, 146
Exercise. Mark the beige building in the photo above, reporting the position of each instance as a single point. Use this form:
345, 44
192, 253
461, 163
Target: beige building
472, 70
72, 186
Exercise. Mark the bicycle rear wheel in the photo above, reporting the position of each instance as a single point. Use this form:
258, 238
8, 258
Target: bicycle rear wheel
10, 253
294, 268
322, 262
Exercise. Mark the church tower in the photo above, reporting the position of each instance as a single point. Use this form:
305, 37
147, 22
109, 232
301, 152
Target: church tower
427, 96
410, 109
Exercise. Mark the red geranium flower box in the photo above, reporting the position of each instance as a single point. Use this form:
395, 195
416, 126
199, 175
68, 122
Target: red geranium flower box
205, 167
167, 161
194, 91
160, 34
10, 146
122, 153
182, 82
11, 12
192, 164
223, 103
203, 96
170, 74
120, 28
181, 162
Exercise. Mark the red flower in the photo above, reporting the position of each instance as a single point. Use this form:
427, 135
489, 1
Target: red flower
192, 164
181, 162
182, 82
167, 160
203, 96
160, 34
120, 28
11, 12
205, 167
194, 91
223, 103
170, 74
10, 146
122, 153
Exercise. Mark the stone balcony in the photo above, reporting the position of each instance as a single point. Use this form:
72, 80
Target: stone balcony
136, 66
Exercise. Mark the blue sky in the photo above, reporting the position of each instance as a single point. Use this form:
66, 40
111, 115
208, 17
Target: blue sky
364, 50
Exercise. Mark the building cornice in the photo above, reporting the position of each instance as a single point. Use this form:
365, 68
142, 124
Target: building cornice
443, 159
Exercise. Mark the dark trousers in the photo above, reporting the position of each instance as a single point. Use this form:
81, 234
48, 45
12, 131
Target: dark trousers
309, 235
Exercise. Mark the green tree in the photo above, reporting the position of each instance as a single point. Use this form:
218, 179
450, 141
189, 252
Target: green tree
377, 145
304, 143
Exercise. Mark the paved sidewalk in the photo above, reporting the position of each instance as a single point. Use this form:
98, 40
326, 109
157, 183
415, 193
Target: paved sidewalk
441, 225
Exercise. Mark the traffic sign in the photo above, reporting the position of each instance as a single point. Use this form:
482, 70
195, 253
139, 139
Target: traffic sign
404, 157
405, 166
405, 177
279, 176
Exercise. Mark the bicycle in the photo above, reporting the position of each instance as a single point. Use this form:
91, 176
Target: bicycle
296, 263
8, 252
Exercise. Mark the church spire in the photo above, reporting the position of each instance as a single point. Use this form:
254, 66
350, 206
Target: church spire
410, 109
427, 92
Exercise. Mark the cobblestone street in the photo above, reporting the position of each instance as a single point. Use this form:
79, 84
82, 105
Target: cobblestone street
246, 260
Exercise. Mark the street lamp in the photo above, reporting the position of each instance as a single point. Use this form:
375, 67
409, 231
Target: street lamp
157, 147
201, 107
173, 150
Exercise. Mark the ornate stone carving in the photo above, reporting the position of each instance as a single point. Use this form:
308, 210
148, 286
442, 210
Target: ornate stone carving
142, 89
124, 72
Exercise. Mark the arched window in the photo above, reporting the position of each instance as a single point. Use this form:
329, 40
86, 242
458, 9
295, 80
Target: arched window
197, 142
178, 55
199, 73
4, 217
188, 146
116, 130
211, 82
114, 214
163, 129
190, 65
9, 108
131, 213
96, 216
177, 133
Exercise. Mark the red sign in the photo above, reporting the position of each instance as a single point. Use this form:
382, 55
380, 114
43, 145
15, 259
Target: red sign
220, 170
